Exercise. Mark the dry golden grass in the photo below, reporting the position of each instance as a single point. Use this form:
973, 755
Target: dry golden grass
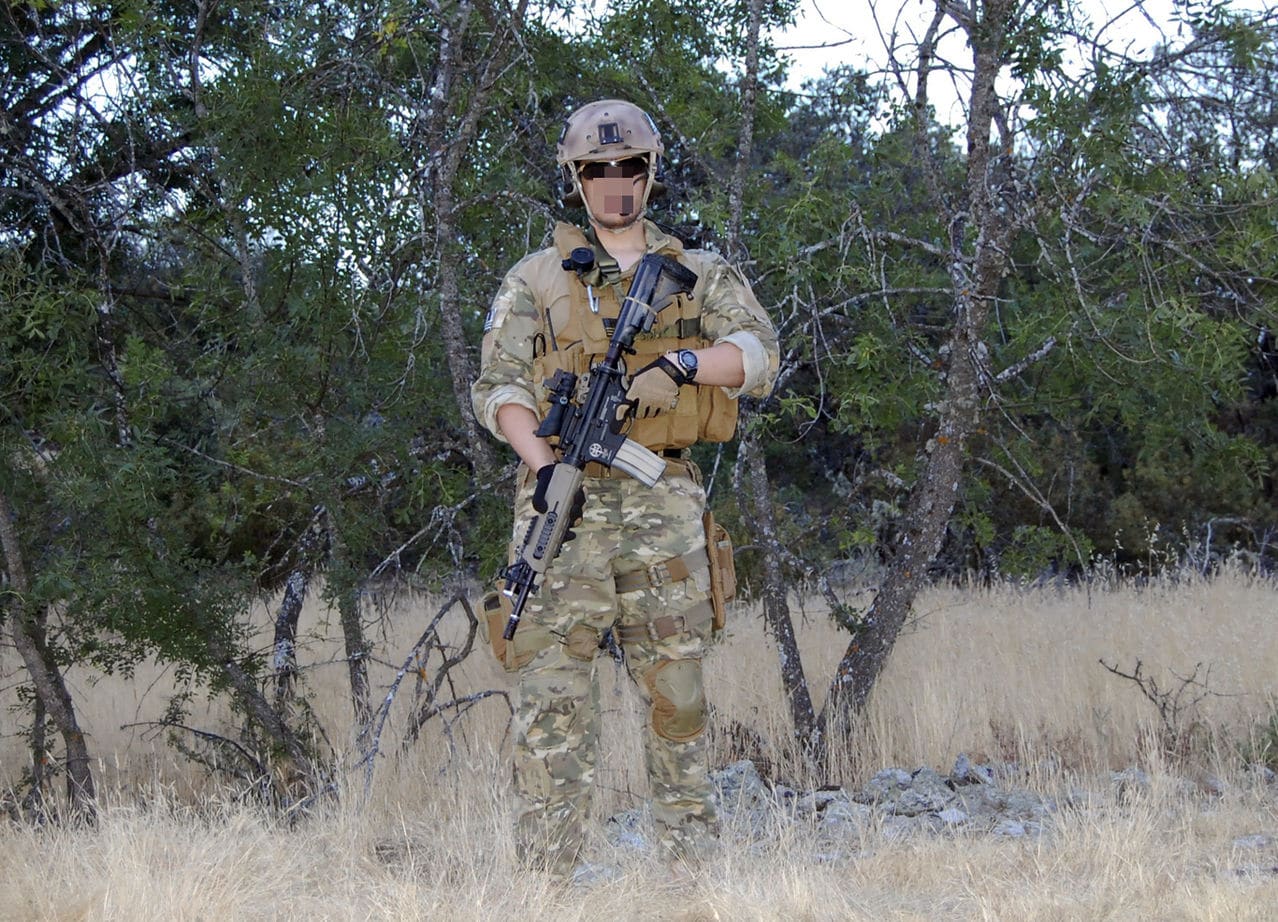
1012, 674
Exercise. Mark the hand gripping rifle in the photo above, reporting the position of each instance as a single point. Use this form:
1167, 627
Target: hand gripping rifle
589, 431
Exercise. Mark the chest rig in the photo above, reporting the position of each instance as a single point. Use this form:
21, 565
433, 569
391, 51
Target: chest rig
579, 312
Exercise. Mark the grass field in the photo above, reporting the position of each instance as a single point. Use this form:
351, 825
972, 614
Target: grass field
1009, 674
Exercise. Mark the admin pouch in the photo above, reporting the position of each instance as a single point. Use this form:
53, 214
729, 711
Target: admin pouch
723, 570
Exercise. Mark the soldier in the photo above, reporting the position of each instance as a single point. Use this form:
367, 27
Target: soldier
638, 564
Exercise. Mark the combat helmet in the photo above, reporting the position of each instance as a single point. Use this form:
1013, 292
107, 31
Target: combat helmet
609, 130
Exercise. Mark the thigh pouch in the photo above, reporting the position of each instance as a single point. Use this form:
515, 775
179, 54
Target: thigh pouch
717, 555
676, 569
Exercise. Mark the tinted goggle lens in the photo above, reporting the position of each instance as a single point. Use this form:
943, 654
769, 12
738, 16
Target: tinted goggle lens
622, 169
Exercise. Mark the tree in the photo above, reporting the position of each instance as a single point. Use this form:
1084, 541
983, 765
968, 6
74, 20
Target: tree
247, 252
219, 298
1004, 219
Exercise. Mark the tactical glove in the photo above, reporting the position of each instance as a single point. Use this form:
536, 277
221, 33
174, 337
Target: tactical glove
544, 473
655, 388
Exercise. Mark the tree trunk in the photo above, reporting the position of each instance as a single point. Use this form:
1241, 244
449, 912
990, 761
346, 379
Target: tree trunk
776, 604
357, 649
284, 647
927, 517
751, 460
976, 283
737, 250
29, 637
284, 656
446, 138
108, 356
292, 766
33, 802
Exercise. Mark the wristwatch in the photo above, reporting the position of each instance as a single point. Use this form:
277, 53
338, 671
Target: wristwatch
687, 360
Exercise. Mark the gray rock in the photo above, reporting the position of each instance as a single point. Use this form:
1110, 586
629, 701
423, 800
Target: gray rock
1257, 841
628, 830
785, 796
985, 801
1257, 870
744, 798
844, 818
884, 786
917, 803
1262, 773
1130, 782
927, 792
739, 783
820, 801
1007, 772
1009, 828
589, 874
968, 772
1028, 805
899, 828
898, 804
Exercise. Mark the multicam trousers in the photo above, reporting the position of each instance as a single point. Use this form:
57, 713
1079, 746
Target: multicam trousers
627, 527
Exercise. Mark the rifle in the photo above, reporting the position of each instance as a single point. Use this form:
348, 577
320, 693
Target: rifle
590, 430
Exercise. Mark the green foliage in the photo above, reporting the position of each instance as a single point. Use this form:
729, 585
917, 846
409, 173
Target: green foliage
1037, 549
224, 317
251, 355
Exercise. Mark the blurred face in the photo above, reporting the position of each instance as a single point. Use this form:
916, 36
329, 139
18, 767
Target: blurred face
614, 191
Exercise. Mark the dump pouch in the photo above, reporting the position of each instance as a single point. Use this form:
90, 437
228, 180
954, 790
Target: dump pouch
495, 608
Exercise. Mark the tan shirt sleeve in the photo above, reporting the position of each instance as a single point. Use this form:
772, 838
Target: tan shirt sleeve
730, 313
506, 358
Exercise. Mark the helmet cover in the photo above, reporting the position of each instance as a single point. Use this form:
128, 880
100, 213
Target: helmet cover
610, 130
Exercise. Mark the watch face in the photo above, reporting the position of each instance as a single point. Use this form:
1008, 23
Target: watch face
688, 359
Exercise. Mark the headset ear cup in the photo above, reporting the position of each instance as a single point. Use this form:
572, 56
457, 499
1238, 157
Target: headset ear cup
657, 185
569, 194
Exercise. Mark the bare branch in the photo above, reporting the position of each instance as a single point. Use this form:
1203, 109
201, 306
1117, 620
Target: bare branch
1015, 371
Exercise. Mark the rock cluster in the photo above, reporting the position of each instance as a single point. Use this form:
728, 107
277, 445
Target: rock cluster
972, 797
975, 798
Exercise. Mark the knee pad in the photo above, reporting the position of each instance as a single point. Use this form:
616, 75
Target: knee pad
678, 699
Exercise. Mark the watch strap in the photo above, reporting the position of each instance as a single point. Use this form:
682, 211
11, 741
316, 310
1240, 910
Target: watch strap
674, 370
